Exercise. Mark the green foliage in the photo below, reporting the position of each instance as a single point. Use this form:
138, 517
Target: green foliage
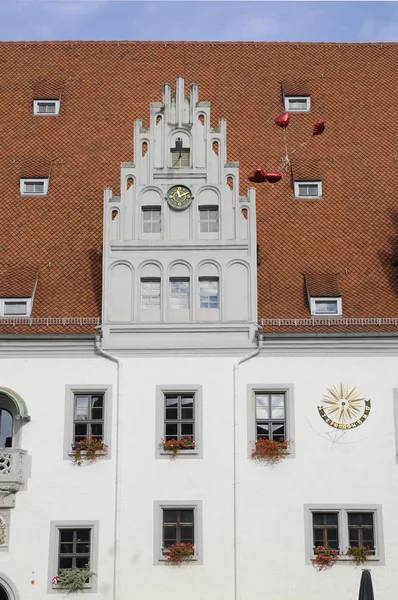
73, 580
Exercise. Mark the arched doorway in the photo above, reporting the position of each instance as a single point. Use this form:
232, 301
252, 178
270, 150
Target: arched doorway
3, 594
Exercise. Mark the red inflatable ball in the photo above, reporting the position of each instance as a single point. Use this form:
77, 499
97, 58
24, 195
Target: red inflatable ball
273, 177
319, 127
257, 176
283, 120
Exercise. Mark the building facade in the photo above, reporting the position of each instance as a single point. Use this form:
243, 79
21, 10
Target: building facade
152, 298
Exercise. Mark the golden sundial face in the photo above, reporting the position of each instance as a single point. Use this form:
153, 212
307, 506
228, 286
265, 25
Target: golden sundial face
344, 407
179, 197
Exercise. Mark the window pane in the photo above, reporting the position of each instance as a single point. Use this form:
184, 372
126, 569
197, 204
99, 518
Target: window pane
278, 406
81, 407
81, 430
317, 518
96, 414
263, 430
186, 535
66, 548
15, 308
97, 430
278, 431
82, 561
171, 431
354, 537
169, 536
331, 519
187, 429
65, 563
6, 428
169, 516
326, 307
187, 413
262, 406
318, 537
186, 516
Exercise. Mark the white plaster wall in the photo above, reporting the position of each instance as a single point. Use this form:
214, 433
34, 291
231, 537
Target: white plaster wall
272, 555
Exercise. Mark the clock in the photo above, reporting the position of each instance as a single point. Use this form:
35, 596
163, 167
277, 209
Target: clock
344, 407
179, 197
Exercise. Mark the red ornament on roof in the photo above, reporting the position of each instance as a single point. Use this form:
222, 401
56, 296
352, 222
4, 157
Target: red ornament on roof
283, 120
319, 127
273, 176
257, 176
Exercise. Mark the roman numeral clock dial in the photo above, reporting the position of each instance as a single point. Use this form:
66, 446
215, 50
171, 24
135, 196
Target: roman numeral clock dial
179, 197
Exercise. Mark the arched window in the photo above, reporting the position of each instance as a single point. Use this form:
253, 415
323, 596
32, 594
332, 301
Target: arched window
3, 594
13, 413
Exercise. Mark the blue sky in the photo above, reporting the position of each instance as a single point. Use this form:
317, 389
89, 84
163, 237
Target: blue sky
318, 21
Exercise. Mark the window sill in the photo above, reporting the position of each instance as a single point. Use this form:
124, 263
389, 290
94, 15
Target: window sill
347, 560
180, 453
163, 559
308, 197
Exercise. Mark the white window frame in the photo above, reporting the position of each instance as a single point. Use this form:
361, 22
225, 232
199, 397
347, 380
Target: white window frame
202, 210
70, 392
196, 505
184, 152
208, 296
147, 209
5, 301
150, 295
343, 510
36, 103
55, 526
180, 294
297, 190
287, 100
265, 388
315, 299
26, 180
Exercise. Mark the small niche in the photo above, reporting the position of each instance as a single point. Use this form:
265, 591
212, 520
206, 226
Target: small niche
115, 213
158, 119
144, 148
215, 148
230, 183
201, 118
245, 213
130, 182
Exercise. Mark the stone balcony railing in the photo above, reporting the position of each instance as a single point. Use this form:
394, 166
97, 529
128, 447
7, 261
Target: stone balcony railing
12, 474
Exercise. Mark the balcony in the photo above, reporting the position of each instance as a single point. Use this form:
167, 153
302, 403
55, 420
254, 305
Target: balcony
12, 475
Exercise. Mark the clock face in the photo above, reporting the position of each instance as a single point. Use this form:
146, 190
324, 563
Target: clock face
179, 197
344, 407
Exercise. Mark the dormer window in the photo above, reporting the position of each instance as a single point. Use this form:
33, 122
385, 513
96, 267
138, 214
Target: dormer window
297, 103
46, 107
324, 295
15, 307
179, 155
310, 190
33, 187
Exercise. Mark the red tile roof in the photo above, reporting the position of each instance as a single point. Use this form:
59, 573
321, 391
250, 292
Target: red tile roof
352, 231
322, 284
296, 88
18, 281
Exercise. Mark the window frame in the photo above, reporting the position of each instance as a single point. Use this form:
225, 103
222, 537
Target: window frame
55, 527
182, 151
343, 534
159, 558
170, 296
161, 392
90, 421
4, 301
297, 184
70, 392
204, 278
151, 209
315, 299
36, 103
26, 180
142, 296
287, 99
201, 209
266, 388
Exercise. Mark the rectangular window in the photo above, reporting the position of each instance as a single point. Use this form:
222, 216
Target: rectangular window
325, 527
150, 294
179, 293
74, 549
208, 290
270, 416
180, 158
342, 527
208, 219
33, 187
308, 189
297, 103
179, 412
360, 530
326, 306
88, 418
15, 308
178, 527
46, 107
151, 219
73, 545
